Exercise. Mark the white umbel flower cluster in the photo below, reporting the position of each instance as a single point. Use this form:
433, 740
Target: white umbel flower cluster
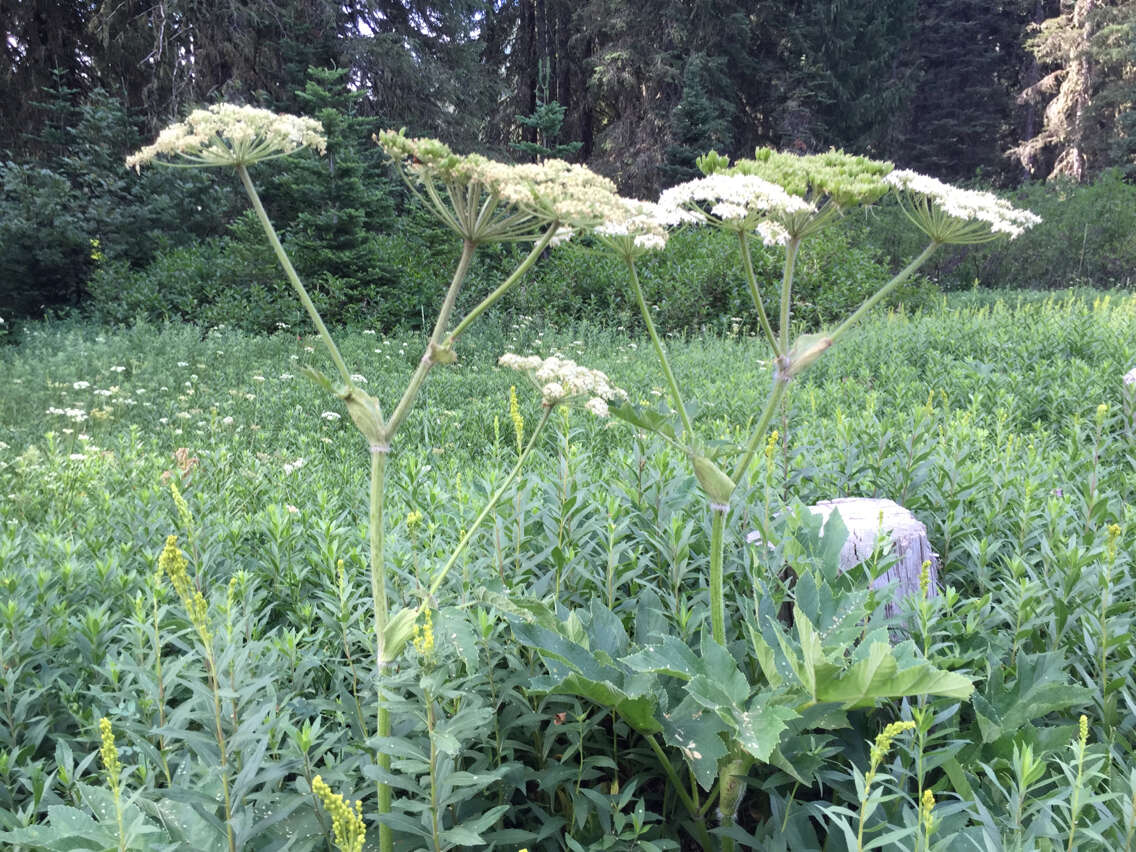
561, 380
636, 227
550, 191
966, 205
735, 201
231, 135
1130, 377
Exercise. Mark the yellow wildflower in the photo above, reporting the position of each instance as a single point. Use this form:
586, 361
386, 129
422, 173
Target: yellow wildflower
515, 416
347, 827
173, 563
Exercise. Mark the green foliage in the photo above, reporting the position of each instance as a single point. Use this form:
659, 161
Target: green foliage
987, 430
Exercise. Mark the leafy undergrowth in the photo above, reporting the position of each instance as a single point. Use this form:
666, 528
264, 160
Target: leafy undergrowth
565, 693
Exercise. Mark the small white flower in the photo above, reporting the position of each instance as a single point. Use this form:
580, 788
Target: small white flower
597, 405
308, 349
368, 331
81, 385
330, 415
258, 378
286, 377
291, 467
102, 392
358, 379
183, 363
292, 510
227, 421
282, 325
76, 457
118, 369
1130, 377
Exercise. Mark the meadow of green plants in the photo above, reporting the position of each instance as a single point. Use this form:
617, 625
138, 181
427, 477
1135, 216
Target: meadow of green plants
562, 691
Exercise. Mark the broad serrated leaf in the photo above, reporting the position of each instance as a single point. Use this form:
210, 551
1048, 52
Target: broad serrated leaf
697, 734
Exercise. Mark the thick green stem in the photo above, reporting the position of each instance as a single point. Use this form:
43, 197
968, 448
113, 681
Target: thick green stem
377, 536
505, 285
791, 250
426, 362
460, 549
468, 249
661, 354
290, 271
717, 554
771, 403
700, 832
882, 293
751, 281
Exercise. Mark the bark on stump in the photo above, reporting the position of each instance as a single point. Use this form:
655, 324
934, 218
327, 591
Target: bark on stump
865, 518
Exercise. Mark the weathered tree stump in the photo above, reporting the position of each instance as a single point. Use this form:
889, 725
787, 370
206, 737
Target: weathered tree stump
866, 518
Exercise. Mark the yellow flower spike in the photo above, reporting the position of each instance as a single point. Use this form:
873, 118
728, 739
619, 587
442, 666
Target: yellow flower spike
424, 636
1084, 730
109, 753
518, 420
926, 807
771, 444
883, 745
413, 521
173, 564
925, 579
1114, 532
347, 827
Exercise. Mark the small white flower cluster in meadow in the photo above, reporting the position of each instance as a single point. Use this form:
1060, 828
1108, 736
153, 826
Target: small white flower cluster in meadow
737, 201
231, 135
966, 204
292, 467
1130, 377
76, 414
562, 380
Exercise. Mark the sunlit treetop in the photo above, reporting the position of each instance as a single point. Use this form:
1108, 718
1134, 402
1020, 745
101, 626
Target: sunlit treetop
230, 135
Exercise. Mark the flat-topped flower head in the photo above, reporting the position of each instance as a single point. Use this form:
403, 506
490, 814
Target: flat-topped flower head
562, 381
556, 191
845, 180
949, 214
732, 201
484, 200
230, 135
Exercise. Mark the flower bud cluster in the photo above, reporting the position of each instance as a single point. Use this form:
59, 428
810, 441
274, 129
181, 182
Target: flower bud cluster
965, 204
562, 380
348, 830
173, 563
231, 135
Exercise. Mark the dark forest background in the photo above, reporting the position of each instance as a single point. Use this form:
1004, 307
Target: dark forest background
1008, 94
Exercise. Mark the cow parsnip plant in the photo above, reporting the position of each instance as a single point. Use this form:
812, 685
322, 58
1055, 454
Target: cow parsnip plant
482, 202
778, 198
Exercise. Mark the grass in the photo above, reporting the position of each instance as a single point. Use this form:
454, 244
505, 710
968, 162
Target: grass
983, 417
